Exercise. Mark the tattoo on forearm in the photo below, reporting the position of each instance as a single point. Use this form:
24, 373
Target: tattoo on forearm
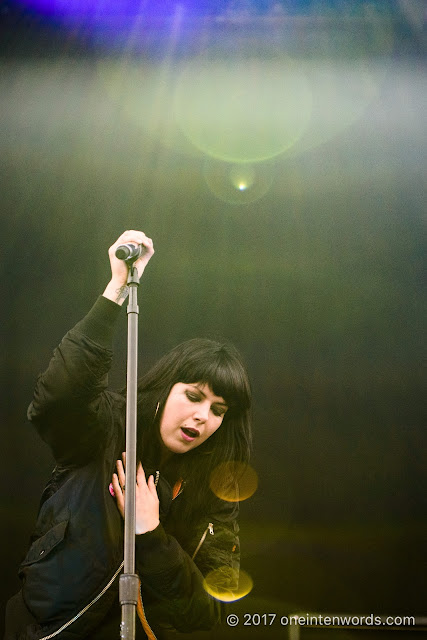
122, 293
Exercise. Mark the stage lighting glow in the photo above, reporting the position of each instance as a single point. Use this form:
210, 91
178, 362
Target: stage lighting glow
107, 12
238, 183
342, 92
228, 584
242, 177
233, 481
116, 24
144, 92
243, 110
345, 71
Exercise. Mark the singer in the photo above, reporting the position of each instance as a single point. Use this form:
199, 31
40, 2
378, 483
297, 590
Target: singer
193, 414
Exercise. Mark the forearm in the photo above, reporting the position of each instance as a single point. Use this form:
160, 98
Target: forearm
173, 583
116, 291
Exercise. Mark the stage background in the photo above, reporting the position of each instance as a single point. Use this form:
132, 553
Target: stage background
319, 281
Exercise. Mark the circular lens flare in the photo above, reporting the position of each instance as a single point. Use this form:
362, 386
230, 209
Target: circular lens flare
242, 110
242, 176
238, 183
233, 481
228, 584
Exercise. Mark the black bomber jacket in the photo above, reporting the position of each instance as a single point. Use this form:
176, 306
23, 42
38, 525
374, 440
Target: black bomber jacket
70, 574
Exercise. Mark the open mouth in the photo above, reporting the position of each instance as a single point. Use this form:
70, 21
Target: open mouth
189, 434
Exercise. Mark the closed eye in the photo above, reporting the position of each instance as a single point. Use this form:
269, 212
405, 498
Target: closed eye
218, 411
193, 397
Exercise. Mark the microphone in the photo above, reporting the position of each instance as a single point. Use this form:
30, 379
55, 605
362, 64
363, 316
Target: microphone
129, 251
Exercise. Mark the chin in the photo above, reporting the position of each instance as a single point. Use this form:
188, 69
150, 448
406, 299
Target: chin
184, 449
178, 449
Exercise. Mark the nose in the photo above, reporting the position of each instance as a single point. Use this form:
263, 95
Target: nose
201, 412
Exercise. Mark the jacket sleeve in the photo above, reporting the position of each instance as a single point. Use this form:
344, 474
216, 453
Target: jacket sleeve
174, 580
70, 406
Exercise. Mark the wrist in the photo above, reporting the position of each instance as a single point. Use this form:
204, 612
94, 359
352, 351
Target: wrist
116, 291
148, 528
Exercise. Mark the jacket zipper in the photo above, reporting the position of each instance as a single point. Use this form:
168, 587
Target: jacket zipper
67, 624
209, 529
76, 617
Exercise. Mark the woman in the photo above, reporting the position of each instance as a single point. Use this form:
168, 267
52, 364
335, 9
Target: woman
193, 414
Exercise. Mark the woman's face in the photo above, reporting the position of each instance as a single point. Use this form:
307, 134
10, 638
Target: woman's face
191, 415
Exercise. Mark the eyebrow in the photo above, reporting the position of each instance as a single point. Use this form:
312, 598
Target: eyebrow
223, 404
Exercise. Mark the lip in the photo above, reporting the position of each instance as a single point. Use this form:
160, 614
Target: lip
188, 438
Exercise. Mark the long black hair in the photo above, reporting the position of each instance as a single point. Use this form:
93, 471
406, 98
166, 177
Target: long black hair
220, 366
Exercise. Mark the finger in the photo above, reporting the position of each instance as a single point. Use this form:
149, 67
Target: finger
135, 237
140, 476
121, 473
118, 494
152, 485
116, 485
148, 251
142, 238
124, 459
138, 237
130, 234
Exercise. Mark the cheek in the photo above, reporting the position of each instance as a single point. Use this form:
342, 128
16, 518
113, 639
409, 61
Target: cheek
172, 409
214, 427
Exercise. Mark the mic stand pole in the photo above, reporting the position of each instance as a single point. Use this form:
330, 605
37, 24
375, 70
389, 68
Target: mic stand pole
129, 581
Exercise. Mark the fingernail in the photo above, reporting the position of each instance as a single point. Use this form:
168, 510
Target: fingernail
111, 489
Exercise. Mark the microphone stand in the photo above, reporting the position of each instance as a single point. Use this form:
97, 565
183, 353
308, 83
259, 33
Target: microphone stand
129, 581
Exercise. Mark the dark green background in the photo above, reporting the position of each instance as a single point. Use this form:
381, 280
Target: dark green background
319, 283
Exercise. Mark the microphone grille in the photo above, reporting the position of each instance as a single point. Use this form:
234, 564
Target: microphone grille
123, 251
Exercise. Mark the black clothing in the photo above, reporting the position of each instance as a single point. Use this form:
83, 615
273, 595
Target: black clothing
77, 545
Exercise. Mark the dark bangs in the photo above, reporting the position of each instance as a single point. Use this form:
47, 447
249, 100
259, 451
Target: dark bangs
219, 366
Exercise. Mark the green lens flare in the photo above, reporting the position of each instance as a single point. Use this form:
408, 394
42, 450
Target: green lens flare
242, 177
243, 110
238, 183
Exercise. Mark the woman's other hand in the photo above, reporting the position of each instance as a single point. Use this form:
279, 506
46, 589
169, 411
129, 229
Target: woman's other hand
117, 289
146, 499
